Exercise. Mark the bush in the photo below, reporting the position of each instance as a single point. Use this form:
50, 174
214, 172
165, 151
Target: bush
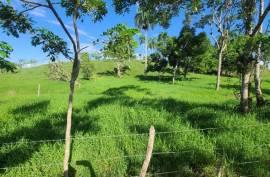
88, 68
57, 72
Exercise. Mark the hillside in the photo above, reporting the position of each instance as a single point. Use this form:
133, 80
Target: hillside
197, 128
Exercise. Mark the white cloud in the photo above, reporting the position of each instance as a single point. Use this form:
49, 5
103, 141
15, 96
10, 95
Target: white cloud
70, 27
90, 48
38, 12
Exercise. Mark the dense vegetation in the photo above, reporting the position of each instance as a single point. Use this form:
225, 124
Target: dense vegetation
107, 106
202, 130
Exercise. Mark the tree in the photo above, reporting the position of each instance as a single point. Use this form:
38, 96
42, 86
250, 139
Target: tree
15, 23
257, 69
220, 15
246, 13
57, 71
188, 51
5, 50
165, 45
143, 20
87, 67
12, 23
120, 45
157, 63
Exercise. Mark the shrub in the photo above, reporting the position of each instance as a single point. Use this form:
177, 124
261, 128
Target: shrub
57, 72
88, 68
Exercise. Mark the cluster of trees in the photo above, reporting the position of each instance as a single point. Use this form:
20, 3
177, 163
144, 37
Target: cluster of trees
119, 46
241, 41
187, 52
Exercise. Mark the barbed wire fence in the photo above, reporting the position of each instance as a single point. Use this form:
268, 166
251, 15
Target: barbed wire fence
155, 153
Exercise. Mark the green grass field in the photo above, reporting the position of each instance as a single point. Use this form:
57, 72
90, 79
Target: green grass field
108, 106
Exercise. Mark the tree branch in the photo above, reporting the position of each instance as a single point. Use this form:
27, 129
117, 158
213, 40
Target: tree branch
32, 8
261, 19
83, 48
34, 3
50, 5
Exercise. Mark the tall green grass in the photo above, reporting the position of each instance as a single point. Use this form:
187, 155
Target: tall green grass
108, 106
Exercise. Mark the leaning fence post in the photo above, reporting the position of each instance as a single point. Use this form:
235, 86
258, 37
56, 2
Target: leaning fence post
38, 91
148, 152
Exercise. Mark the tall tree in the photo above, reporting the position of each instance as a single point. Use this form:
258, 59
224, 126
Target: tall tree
185, 54
247, 9
120, 45
154, 12
257, 71
53, 45
143, 21
221, 16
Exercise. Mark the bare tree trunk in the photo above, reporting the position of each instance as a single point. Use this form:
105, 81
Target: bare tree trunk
257, 77
146, 52
129, 61
244, 105
174, 73
220, 55
74, 76
118, 70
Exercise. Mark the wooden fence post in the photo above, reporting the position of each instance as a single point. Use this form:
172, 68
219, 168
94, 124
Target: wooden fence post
38, 91
148, 152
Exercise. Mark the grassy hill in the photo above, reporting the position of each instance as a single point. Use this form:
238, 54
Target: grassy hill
111, 121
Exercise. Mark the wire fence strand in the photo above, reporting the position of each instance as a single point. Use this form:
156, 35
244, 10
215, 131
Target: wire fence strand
130, 135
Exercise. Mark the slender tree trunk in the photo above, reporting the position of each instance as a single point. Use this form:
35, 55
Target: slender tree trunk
247, 64
257, 77
220, 55
74, 76
118, 70
129, 61
244, 105
174, 73
146, 52
185, 72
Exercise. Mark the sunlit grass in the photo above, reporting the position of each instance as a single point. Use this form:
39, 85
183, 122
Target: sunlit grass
107, 106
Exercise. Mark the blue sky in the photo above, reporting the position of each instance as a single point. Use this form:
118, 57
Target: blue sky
88, 30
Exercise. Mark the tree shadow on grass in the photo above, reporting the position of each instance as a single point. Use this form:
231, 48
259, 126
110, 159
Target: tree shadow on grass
50, 127
120, 91
24, 111
180, 158
107, 73
198, 115
163, 79
87, 164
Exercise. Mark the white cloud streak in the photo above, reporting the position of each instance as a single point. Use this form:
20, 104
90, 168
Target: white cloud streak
70, 27
38, 12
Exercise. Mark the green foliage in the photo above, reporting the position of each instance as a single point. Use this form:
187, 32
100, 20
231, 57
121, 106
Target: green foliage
144, 19
87, 67
13, 22
242, 51
120, 44
5, 50
157, 63
126, 106
158, 12
96, 9
57, 72
51, 44
188, 53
